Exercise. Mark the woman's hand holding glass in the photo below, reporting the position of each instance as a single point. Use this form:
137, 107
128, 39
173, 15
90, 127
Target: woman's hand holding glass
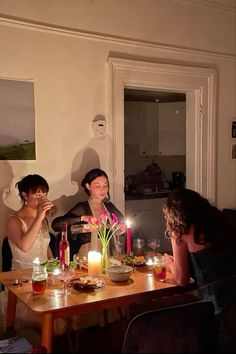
44, 206
169, 263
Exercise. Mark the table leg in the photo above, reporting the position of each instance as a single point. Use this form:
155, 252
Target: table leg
11, 310
47, 331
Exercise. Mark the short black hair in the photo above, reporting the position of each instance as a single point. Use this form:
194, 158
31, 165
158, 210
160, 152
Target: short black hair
31, 183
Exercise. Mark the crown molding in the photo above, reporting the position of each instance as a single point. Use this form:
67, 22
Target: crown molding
101, 37
217, 5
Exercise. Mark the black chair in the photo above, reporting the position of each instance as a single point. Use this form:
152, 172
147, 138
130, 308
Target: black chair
177, 329
230, 215
6, 255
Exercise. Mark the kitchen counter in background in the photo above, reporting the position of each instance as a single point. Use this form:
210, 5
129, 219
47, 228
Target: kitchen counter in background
163, 193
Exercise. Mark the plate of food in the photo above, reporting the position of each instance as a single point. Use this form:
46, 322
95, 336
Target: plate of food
139, 261
87, 282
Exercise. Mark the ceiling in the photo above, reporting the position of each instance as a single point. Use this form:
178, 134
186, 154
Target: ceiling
152, 96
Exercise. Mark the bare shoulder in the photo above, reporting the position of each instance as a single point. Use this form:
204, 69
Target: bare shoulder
191, 244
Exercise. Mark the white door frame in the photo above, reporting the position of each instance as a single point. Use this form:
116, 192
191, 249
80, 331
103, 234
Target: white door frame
199, 85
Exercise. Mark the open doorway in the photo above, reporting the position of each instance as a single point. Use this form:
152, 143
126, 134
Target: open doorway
199, 85
155, 157
154, 133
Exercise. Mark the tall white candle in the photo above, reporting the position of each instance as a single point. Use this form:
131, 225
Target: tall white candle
94, 263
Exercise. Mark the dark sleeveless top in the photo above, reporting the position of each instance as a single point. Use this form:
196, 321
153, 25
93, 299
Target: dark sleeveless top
215, 274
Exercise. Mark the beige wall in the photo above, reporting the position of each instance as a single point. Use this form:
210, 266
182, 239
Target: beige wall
68, 67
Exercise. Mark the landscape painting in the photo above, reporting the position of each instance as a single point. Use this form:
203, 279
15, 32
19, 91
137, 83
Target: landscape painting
17, 120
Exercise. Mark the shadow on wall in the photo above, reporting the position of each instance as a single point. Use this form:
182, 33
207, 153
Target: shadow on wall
83, 161
5, 189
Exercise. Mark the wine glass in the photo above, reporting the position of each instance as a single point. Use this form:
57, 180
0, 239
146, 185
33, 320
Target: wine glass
65, 275
154, 243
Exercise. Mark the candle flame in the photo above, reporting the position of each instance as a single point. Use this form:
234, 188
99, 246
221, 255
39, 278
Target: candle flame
36, 261
128, 223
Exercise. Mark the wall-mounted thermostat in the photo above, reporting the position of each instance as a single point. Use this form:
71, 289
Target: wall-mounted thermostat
99, 128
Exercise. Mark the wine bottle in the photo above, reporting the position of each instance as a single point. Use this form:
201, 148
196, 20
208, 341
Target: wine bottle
64, 247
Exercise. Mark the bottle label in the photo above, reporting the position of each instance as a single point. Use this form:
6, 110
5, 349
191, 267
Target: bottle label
67, 256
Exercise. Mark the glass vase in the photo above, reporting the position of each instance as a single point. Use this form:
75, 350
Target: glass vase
105, 259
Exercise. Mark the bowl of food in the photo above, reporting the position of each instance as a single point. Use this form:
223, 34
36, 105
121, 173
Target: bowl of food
119, 272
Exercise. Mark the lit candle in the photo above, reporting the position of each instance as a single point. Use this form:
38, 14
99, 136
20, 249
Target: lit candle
94, 263
36, 261
128, 236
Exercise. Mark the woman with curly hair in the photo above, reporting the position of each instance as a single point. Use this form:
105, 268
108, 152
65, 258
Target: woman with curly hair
204, 247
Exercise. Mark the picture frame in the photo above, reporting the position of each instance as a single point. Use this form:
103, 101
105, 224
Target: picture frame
17, 120
233, 129
233, 151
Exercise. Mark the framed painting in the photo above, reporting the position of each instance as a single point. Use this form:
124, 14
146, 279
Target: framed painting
17, 120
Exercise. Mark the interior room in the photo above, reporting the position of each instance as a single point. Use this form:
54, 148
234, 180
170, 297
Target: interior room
144, 90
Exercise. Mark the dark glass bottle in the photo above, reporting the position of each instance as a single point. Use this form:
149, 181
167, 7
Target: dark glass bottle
64, 247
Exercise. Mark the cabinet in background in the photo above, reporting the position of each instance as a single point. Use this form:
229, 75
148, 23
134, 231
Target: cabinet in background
172, 128
156, 128
141, 126
148, 219
148, 128
131, 123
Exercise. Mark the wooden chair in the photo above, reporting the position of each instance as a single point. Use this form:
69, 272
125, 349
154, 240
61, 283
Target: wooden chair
184, 328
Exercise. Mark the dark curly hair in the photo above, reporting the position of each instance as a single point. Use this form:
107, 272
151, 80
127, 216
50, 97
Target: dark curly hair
91, 176
31, 183
186, 208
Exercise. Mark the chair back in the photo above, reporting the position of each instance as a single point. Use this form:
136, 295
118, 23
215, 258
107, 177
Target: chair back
6, 255
176, 329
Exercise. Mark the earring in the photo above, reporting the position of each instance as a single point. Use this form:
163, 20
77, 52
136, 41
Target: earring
25, 202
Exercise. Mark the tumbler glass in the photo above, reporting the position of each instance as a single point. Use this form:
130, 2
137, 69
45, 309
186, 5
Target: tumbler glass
39, 279
159, 267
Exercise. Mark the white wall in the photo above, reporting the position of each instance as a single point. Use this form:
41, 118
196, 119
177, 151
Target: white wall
68, 67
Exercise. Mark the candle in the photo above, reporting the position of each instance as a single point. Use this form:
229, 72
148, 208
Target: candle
36, 261
128, 236
94, 263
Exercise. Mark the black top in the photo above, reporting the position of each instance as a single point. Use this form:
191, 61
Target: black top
73, 217
214, 271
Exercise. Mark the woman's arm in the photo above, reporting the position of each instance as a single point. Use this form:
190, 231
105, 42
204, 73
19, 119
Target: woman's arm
179, 263
24, 240
73, 216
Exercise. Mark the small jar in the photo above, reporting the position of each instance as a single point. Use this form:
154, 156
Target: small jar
39, 279
159, 267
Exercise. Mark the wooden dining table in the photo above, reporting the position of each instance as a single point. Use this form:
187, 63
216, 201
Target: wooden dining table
140, 287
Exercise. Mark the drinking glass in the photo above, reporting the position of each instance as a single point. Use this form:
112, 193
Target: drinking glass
65, 275
39, 279
159, 267
154, 243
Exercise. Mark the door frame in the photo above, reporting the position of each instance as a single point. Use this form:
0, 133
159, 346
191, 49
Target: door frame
199, 85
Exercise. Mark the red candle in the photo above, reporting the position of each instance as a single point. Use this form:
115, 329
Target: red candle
128, 237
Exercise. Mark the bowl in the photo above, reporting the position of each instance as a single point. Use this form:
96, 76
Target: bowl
119, 273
